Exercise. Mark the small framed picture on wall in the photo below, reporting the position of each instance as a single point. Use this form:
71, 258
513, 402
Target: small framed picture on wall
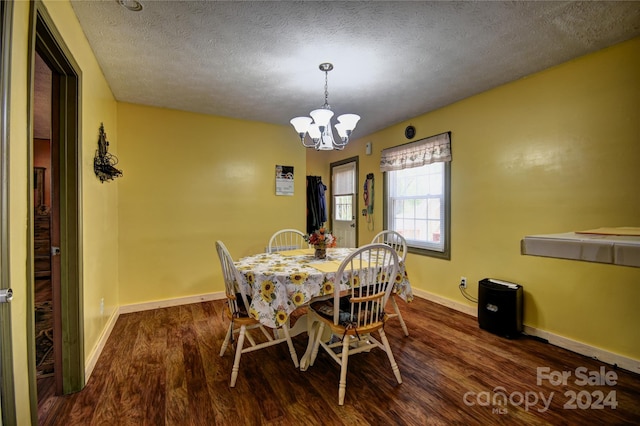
284, 180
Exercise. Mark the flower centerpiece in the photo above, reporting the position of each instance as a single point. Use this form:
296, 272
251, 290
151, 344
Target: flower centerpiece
321, 240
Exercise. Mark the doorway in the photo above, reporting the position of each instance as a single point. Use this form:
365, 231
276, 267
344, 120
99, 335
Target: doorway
45, 272
63, 205
344, 201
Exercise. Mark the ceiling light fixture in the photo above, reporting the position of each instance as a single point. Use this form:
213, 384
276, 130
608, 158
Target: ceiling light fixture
319, 125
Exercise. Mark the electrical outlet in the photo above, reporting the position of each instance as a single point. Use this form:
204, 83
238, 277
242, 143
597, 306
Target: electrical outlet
102, 306
463, 282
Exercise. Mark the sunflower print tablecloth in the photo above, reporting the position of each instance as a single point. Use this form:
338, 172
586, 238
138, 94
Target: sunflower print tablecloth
279, 283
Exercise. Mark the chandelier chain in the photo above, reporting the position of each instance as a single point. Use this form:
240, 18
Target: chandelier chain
326, 89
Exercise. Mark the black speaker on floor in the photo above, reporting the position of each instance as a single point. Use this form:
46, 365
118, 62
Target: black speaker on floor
500, 307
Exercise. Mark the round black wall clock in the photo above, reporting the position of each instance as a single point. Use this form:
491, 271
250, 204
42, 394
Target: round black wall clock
410, 132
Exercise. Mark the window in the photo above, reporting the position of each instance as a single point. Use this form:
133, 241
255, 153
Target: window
344, 207
417, 194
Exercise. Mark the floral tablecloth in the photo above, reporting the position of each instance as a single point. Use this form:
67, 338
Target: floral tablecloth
279, 283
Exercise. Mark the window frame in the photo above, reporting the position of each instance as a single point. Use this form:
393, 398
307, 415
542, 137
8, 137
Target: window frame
446, 229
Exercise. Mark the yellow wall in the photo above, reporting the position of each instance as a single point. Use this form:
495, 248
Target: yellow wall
554, 152
190, 180
99, 201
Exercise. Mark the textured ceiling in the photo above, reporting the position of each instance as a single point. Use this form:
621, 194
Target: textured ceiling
393, 60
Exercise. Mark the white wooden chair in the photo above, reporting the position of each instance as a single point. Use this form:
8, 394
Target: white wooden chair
287, 239
399, 244
241, 322
368, 273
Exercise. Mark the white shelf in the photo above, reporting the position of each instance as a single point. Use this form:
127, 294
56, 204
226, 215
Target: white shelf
614, 249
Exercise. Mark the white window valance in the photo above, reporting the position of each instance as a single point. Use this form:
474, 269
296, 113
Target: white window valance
434, 149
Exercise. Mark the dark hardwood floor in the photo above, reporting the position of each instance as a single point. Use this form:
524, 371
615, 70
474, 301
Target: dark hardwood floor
44, 340
162, 367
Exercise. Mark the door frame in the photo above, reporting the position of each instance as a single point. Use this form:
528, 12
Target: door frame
7, 385
355, 160
66, 118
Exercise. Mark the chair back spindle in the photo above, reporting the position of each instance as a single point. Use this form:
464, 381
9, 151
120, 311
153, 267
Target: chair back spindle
399, 244
237, 299
287, 239
393, 239
369, 274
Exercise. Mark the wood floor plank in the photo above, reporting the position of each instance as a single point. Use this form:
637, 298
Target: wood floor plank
177, 399
162, 367
197, 389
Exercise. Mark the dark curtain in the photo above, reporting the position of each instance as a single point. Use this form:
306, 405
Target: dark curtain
316, 204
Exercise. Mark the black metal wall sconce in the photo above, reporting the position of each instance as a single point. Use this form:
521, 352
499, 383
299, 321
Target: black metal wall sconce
104, 163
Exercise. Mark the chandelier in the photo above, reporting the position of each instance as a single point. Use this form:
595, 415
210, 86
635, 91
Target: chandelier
319, 124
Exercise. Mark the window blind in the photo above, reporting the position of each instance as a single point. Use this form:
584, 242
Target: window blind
434, 149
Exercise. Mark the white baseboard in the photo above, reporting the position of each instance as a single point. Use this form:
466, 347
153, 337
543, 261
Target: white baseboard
607, 357
138, 307
581, 348
469, 310
97, 350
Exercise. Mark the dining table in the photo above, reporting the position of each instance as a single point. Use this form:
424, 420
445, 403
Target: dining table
279, 283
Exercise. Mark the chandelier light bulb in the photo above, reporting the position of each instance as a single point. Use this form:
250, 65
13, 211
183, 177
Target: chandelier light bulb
321, 117
342, 130
349, 120
314, 132
301, 124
